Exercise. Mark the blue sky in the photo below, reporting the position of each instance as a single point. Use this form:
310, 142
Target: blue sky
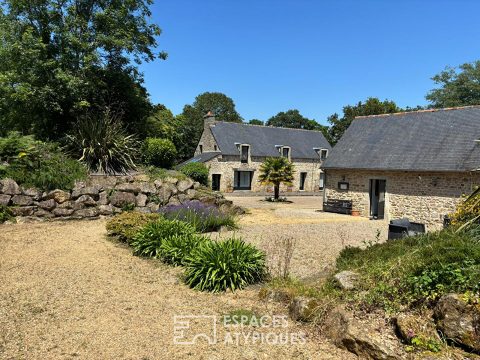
312, 55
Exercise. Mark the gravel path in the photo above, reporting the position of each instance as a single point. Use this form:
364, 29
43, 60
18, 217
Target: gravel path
67, 292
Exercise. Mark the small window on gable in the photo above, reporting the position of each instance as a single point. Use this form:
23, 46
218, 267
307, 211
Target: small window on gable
200, 148
286, 152
215, 148
244, 152
323, 154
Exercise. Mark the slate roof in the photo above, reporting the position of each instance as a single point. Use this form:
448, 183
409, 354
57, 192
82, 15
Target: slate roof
262, 140
439, 140
203, 157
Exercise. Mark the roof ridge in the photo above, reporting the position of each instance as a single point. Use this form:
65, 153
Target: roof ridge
418, 111
267, 127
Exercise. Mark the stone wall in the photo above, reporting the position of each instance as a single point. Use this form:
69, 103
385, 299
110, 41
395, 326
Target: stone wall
225, 166
102, 195
421, 197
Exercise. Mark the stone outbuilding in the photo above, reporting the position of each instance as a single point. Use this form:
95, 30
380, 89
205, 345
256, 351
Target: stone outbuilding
414, 164
233, 153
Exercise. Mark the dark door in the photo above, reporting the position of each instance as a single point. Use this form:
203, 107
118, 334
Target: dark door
216, 182
303, 176
377, 198
243, 180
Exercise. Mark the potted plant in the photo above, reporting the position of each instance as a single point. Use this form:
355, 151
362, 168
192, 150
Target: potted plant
355, 212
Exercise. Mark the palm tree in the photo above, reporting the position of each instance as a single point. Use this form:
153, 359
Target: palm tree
274, 171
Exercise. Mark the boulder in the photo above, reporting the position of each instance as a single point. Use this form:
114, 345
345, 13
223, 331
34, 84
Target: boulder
153, 207
458, 321
59, 196
23, 210
158, 183
43, 213
347, 280
5, 199
105, 209
88, 190
164, 194
102, 198
147, 188
409, 326
22, 200
191, 194
174, 201
170, 180
70, 204
121, 199
10, 187
367, 338
142, 200
89, 212
48, 205
143, 209
128, 187
86, 200
184, 185
33, 193
196, 185
302, 308
62, 211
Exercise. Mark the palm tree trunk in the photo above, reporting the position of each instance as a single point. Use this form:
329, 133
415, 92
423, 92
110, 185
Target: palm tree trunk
276, 188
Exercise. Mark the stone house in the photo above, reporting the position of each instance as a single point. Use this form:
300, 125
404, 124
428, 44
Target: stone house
415, 164
233, 152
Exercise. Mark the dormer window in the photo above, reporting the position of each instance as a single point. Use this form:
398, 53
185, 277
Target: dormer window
244, 153
200, 148
215, 147
286, 152
323, 154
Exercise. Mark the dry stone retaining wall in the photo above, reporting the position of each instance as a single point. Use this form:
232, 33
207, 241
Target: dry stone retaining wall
102, 196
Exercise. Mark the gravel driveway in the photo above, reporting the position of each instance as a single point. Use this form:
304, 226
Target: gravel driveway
66, 292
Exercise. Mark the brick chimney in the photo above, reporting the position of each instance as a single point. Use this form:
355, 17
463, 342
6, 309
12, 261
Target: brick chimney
208, 119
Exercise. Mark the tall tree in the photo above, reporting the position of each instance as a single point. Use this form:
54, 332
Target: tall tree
294, 120
372, 106
61, 58
219, 104
275, 171
458, 86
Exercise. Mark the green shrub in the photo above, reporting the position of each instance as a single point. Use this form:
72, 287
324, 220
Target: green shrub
196, 171
148, 240
125, 225
175, 249
5, 213
230, 264
159, 152
45, 167
13, 144
102, 144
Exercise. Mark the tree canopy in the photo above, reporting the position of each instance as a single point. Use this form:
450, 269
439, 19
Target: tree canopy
59, 59
458, 87
372, 106
255, 122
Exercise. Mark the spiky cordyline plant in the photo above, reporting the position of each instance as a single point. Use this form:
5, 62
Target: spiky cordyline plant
276, 170
104, 145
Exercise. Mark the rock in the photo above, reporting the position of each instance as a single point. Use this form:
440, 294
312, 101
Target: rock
164, 194
369, 339
458, 321
143, 209
302, 308
275, 295
33, 193
158, 183
22, 200
86, 200
153, 207
103, 198
170, 180
79, 185
23, 210
174, 201
191, 194
70, 204
237, 210
196, 185
59, 196
142, 200
147, 188
409, 326
89, 212
184, 185
121, 199
10, 187
128, 187
88, 190
62, 212
105, 209
347, 280
182, 198
5, 199
47, 204
43, 213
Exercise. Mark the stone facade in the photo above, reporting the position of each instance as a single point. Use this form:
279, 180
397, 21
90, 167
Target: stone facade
420, 196
226, 165
104, 195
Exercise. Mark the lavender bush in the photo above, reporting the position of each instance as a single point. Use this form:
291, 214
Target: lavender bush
205, 218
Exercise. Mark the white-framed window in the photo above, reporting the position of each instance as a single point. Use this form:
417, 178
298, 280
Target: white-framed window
323, 154
286, 152
244, 153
